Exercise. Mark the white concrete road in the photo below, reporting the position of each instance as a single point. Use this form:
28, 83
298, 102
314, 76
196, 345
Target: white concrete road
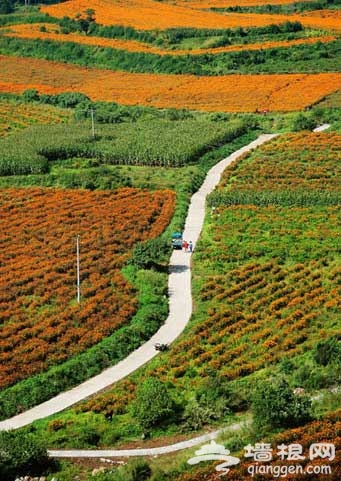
122, 453
180, 308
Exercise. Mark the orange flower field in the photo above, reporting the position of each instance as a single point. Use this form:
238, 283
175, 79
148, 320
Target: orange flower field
325, 430
228, 93
32, 31
327, 19
41, 322
232, 3
15, 116
149, 14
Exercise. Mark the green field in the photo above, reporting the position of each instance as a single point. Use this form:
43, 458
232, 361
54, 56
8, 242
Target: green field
154, 143
319, 57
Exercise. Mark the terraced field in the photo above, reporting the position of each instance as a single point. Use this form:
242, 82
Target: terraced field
45, 31
142, 15
266, 287
203, 4
169, 88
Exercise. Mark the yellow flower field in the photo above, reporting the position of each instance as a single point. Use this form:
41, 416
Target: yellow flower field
228, 93
33, 31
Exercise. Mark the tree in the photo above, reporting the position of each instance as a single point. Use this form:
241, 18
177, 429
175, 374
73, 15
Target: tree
21, 454
86, 19
6, 7
149, 254
153, 403
275, 405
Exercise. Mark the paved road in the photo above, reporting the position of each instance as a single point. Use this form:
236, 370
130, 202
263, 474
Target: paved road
122, 453
180, 308
321, 128
192, 231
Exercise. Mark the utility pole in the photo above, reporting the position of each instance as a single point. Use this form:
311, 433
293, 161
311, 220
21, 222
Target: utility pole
78, 274
92, 114
92, 122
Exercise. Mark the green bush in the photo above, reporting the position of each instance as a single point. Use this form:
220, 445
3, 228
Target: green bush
153, 403
149, 254
327, 351
275, 405
303, 122
21, 454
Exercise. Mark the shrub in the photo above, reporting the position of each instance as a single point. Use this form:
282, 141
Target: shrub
327, 351
147, 254
153, 403
303, 122
20, 454
275, 405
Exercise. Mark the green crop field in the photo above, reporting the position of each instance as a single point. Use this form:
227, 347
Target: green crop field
155, 143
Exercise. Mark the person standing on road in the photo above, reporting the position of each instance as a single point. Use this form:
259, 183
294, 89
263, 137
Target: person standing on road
185, 245
190, 246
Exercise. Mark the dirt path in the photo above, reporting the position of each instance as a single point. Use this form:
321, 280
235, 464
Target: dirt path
180, 308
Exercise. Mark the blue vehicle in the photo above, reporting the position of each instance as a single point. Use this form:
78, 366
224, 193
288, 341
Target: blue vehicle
177, 240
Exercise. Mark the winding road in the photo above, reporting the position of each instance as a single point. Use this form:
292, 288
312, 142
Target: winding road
180, 308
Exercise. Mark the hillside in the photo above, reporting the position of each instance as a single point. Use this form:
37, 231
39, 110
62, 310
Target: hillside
111, 115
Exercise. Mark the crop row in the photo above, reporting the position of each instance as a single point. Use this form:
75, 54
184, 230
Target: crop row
15, 115
162, 142
289, 163
41, 322
266, 320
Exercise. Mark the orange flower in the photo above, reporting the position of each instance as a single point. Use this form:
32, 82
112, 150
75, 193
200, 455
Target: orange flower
41, 324
229, 93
